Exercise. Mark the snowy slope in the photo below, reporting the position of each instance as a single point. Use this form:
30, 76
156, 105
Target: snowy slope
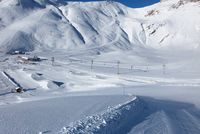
105, 54
29, 25
48, 116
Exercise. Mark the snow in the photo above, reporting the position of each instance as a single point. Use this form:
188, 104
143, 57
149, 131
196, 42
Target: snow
111, 26
52, 114
108, 121
116, 69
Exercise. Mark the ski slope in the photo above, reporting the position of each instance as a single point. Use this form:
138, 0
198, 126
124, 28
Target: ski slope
116, 69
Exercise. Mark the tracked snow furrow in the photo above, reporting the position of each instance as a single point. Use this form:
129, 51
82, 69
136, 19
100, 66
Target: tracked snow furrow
142, 35
156, 123
195, 120
2, 84
5, 89
184, 122
5, 83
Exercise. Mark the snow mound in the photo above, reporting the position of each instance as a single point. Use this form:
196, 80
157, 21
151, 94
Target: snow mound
37, 76
50, 84
55, 85
113, 120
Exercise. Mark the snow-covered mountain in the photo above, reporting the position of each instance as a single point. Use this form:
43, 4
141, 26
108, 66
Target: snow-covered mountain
99, 67
39, 25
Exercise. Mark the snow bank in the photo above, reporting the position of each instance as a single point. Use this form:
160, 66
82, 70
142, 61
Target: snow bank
113, 120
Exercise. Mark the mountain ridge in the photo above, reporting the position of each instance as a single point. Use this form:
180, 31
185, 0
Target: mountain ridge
108, 26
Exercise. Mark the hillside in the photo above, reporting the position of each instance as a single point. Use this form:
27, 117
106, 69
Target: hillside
99, 67
40, 25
